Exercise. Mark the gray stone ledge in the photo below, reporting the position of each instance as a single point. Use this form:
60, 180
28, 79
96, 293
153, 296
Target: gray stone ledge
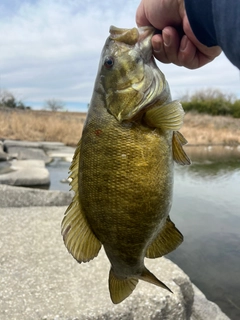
26, 173
28, 197
40, 279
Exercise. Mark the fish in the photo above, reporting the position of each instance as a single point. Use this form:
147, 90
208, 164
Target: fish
122, 169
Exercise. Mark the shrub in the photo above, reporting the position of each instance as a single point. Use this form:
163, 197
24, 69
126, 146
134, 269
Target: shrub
213, 102
235, 109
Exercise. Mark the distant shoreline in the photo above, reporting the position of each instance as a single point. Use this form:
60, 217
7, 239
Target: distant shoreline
66, 127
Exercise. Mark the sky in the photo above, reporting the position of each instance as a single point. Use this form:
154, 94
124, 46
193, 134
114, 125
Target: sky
50, 49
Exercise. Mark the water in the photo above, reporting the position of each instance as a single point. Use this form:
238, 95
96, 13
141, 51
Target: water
59, 172
206, 209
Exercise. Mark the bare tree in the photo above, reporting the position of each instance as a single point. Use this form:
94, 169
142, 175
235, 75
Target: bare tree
54, 104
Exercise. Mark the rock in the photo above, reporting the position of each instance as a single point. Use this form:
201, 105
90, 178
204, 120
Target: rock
58, 150
22, 153
26, 173
204, 309
32, 173
5, 167
65, 153
45, 145
41, 150
51, 145
3, 155
25, 197
41, 280
20, 143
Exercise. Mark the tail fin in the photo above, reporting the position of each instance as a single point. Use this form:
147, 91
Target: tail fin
120, 289
150, 277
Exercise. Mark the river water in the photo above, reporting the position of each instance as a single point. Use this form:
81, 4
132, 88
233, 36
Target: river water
206, 209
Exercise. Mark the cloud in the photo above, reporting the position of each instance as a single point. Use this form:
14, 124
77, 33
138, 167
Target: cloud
51, 49
219, 74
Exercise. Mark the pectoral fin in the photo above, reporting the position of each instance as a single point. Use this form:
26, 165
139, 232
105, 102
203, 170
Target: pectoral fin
167, 240
166, 117
120, 289
77, 235
179, 155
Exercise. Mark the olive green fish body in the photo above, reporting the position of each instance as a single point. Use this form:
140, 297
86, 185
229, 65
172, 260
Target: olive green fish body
126, 179
122, 169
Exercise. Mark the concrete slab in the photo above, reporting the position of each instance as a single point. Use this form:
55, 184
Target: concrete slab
40, 279
12, 196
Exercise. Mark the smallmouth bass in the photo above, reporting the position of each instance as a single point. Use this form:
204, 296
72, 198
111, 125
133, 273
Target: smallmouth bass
122, 170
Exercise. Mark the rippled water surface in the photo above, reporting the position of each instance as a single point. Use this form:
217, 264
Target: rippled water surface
206, 209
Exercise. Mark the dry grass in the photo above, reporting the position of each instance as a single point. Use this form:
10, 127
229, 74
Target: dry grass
64, 127
67, 127
203, 129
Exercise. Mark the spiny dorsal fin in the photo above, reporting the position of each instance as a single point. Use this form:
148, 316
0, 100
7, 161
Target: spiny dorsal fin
166, 117
167, 240
120, 289
179, 155
150, 277
77, 235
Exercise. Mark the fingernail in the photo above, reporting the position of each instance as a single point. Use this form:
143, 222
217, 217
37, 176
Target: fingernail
166, 39
157, 46
183, 44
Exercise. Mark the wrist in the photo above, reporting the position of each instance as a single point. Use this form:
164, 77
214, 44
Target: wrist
200, 19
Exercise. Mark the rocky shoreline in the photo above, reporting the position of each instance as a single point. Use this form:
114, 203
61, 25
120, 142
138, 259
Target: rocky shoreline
40, 280
23, 163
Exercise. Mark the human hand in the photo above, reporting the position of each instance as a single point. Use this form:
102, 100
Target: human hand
177, 43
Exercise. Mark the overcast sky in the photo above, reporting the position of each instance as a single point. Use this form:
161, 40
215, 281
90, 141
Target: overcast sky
51, 49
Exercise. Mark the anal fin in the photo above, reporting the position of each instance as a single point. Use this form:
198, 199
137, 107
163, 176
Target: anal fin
179, 155
77, 234
151, 278
120, 289
167, 240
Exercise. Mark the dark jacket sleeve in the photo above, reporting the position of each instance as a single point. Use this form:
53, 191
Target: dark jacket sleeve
217, 22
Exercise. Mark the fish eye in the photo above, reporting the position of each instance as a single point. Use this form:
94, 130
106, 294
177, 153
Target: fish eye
108, 62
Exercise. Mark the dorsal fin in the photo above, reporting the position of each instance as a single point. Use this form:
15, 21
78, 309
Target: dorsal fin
168, 239
179, 155
77, 235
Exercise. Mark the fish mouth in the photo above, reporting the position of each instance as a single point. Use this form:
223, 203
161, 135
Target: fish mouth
138, 37
141, 35
150, 88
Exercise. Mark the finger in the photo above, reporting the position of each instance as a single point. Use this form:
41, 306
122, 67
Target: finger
187, 54
158, 48
171, 42
141, 18
192, 57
